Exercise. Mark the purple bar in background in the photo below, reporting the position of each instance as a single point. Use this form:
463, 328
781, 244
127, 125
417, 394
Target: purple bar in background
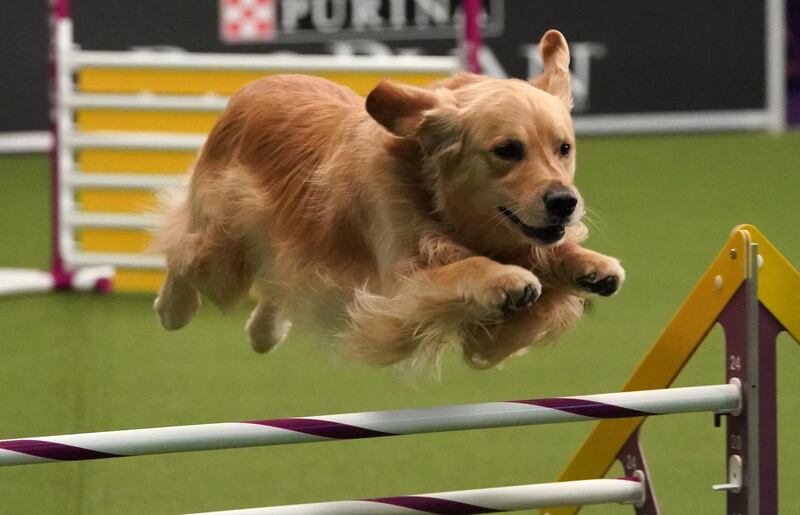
322, 428
472, 34
586, 408
60, 8
54, 451
793, 108
793, 62
433, 505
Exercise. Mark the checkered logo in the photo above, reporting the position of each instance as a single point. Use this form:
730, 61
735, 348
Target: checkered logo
243, 21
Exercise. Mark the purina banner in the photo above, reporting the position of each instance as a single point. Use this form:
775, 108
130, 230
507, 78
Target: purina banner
304, 21
636, 58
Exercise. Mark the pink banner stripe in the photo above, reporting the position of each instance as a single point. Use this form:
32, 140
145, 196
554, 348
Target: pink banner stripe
586, 408
433, 505
322, 428
54, 451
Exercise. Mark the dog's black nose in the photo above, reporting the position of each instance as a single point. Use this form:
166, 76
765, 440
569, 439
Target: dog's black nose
560, 203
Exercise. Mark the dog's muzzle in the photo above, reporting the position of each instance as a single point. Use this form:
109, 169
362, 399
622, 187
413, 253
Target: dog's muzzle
547, 235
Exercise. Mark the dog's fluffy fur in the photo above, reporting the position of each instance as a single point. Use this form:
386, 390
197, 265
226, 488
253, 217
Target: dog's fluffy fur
408, 217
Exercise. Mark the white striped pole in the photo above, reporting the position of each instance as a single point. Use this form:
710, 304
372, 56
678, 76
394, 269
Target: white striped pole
724, 398
626, 490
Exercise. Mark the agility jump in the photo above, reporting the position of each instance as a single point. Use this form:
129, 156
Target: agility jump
750, 289
720, 399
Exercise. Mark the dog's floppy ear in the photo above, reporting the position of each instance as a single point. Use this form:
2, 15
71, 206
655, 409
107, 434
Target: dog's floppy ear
555, 78
398, 107
440, 130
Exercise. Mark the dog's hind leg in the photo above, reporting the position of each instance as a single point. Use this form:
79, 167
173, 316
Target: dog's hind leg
177, 302
266, 327
203, 262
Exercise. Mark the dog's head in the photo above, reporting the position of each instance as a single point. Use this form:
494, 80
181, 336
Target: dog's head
499, 153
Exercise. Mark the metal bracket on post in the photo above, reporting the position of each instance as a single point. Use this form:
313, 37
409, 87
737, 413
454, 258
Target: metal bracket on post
734, 483
632, 459
751, 436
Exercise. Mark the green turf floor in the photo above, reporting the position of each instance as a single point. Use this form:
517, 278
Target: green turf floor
81, 362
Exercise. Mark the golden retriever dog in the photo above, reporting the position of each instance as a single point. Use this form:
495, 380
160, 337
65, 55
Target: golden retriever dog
421, 217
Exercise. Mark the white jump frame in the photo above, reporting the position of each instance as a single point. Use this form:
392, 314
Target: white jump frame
71, 60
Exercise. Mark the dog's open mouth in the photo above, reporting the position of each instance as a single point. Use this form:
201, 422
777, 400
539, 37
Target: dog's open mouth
546, 235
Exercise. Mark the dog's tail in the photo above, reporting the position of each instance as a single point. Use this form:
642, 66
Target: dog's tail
172, 219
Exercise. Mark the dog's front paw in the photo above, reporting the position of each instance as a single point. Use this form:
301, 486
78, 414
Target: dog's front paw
510, 289
603, 276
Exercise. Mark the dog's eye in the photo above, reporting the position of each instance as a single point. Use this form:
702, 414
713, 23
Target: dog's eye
565, 148
510, 150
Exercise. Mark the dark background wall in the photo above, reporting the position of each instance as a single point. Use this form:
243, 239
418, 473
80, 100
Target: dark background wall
23, 65
647, 55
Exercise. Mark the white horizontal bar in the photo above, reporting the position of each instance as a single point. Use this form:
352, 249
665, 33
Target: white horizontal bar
111, 220
135, 140
24, 142
690, 121
719, 398
124, 181
483, 500
724, 398
15, 281
264, 62
76, 259
146, 101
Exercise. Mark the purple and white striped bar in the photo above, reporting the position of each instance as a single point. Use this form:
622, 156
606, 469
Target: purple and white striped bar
724, 398
626, 490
